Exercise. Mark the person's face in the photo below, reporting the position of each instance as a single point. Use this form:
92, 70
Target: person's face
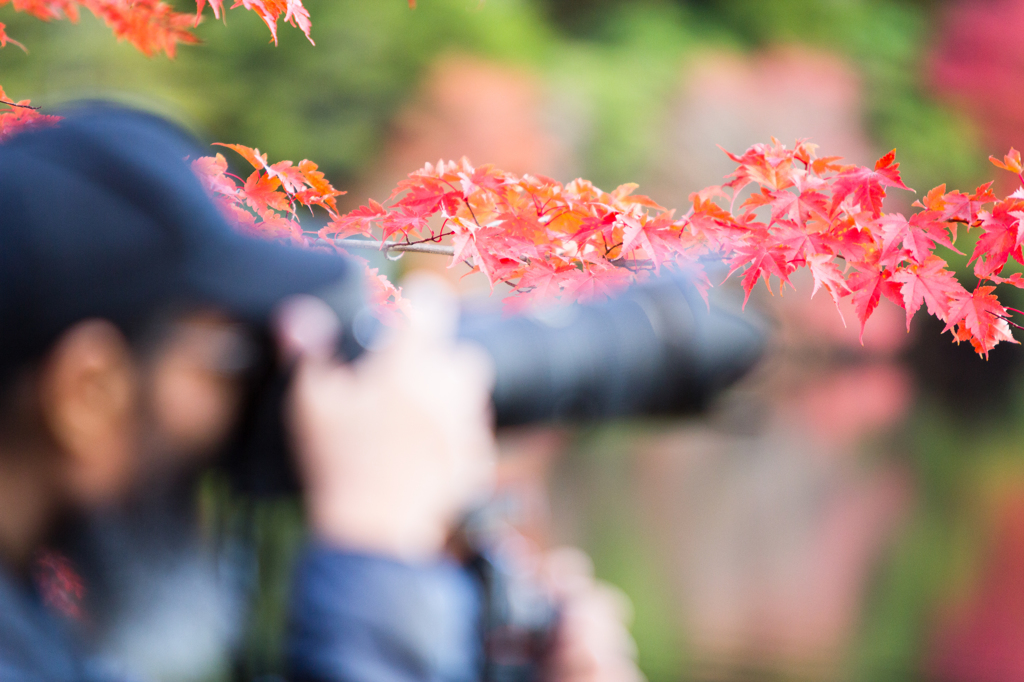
120, 419
192, 390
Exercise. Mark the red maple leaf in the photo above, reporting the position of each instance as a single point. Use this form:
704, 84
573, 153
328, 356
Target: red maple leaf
769, 166
929, 283
47, 10
541, 283
21, 116
1003, 237
484, 177
799, 244
359, 221
484, 248
827, 274
404, 221
271, 10
595, 283
801, 207
955, 205
216, 5
866, 187
624, 198
213, 173
603, 225
917, 236
662, 241
253, 156
654, 235
1010, 162
1016, 279
980, 319
763, 259
151, 26
849, 242
261, 192
317, 183
867, 286
276, 226
421, 193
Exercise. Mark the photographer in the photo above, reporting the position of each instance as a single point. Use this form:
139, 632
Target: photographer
127, 310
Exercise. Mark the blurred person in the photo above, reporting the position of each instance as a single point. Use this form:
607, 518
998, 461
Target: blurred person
125, 305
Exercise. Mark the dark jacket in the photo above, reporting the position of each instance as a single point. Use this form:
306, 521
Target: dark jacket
353, 617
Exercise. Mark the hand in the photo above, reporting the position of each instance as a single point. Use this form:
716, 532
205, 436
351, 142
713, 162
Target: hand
392, 448
593, 643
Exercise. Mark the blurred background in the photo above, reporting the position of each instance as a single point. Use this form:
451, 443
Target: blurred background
850, 512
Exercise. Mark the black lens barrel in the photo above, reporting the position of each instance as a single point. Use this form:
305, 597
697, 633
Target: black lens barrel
657, 349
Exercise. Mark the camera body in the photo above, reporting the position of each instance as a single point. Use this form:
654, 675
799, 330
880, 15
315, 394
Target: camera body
518, 623
518, 620
658, 349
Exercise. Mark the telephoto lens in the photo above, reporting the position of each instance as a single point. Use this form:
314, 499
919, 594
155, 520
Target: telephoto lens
658, 349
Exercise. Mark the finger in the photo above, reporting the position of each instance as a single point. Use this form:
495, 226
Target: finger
568, 571
305, 327
433, 308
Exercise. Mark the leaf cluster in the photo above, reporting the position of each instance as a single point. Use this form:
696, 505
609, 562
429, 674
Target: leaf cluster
575, 242
266, 204
154, 26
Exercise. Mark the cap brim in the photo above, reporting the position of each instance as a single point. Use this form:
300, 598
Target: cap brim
249, 277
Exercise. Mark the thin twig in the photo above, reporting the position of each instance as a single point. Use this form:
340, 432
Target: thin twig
22, 106
471, 211
436, 249
633, 264
433, 238
1006, 319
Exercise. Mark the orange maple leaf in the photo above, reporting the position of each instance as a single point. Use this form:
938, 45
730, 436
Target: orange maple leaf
151, 26
21, 116
4, 38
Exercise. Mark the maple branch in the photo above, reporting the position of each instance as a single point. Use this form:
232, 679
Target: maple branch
420, 247
858, 230
21, 106
1010, 322
633, 264
433, 238
471, 212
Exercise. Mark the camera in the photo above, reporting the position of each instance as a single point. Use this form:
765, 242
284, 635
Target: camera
657, 349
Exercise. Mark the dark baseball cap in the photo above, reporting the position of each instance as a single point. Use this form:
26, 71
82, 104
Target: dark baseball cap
101, 217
